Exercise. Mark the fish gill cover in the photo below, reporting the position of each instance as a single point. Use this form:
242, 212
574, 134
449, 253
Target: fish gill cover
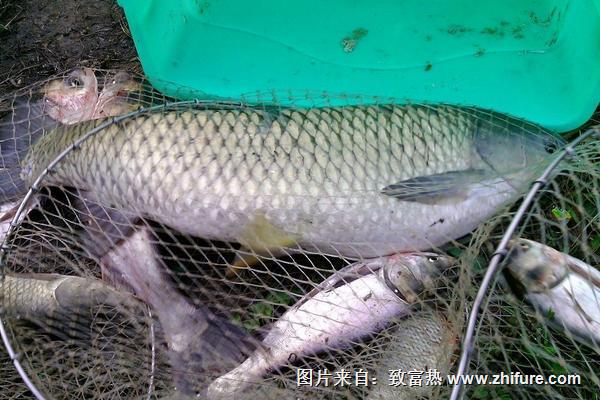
235, 249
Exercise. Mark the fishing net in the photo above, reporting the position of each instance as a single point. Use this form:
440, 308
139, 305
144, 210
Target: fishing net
128, 323
513, 336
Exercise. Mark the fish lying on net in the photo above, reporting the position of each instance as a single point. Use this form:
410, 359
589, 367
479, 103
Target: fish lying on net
77, 98
423, 342
393, 178
69, 100
58, 315
512, 336
563, 288
355, 302
342, 181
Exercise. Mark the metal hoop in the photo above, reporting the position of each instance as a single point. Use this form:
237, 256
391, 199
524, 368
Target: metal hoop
493, 266
28, 196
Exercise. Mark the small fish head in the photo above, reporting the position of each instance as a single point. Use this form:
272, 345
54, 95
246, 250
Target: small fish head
535, 266
413, 274
116, 91
512, 148
119, 84
74, 95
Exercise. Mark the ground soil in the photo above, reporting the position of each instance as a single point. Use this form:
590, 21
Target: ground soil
39, 38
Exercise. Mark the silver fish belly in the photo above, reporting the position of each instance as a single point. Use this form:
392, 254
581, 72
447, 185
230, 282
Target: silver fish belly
336, 314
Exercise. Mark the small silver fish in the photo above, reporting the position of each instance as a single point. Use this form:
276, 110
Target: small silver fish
421, 342
558, 285
356, 301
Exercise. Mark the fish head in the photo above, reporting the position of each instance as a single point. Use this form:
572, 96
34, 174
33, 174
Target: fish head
413, 274
513, 149
113, 99
119, 84
535, 266
73, 98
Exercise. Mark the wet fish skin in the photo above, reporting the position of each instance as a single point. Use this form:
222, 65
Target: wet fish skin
353, 303
557, 285
321, 176
200, 343
36, 295
420, 342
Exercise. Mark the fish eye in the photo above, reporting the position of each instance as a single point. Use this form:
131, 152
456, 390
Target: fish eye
550, 146
433, 258
74, 82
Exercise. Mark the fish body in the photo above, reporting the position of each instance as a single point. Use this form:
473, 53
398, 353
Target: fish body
199, 341
355, 302
420, 342
36, 295
561, 287
360, 181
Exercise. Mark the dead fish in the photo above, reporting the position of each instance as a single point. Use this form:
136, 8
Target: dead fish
76, 98
72, 99
69, 100
562, 288
199, 342
420, 342
45, 294
356, 181
113, 99
353, 303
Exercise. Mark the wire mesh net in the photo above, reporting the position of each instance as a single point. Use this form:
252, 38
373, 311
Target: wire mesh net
541, 319
234, 249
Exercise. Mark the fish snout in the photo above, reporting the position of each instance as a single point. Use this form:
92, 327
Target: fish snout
538, 268
413, 279
443, 262
516, 248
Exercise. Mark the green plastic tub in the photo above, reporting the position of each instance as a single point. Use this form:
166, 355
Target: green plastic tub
537, 59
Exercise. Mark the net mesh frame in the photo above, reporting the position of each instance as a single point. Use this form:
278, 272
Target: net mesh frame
510, 337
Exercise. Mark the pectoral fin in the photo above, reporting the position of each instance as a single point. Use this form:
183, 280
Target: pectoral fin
435, 189
259, 238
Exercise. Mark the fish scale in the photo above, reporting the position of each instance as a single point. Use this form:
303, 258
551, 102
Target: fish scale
297, 168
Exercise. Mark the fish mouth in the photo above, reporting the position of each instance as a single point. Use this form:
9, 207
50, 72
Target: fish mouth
537, 277
52, 104
515, 285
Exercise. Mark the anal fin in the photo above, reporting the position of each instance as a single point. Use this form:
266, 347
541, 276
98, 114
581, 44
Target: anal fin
260, 238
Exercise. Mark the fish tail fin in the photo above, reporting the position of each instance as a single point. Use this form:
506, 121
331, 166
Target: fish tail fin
19, 130
219, 347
